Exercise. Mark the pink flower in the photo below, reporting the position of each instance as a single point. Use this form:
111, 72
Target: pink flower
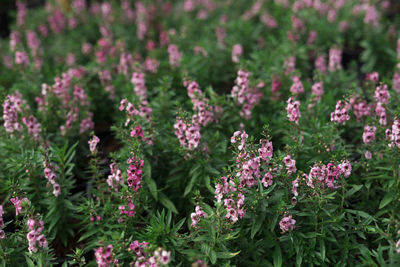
335, 58
381, 94
266, 151
320, 64
293, 110
237, 51
297, 86
340, 115
290, 164
287, 223
267, 179
369, 134
199, 213
174, 55
289, 65
93, 143
21, 58
18, 203
373, 76
138, 80
56, 189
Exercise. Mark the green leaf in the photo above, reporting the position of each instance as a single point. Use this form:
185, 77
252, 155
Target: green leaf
322, 248
386, 200
227, 255
190, 185
353, 190
213, 256
29, 262
88, 234
257, 224
277, 256
167, 203
151, 184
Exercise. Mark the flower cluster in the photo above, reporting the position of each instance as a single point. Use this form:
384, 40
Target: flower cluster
158, 258
317, 90
151, 65
11, 107
373, 76
396, 79
341, 113
237, 51
233, 202
93, 144
234, 207
240, 136
244, 95
290, 164
289, 65
115, 178
135, 171
130, 211
195, 216
295, 186
144, 111
266, 150
335, 58
369, 134
19, 204
328, 175
33, 126
287, 223
297, 86
381, 113
138, 80
360, 108
104, 257
188, 134
35, 235
393, 135
174, 55
51, 177
205, 112
106, 81
293, 110
381, 94
320, 64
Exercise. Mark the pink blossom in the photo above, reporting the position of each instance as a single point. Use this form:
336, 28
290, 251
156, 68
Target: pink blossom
340, 115
135, 171
199, 213
287, 223
297, 86
237, 51
266, 151
289, 65
93, 144
18, 203
21, 58
335, 58
104, 257
293, 110
373, 76
369, 134
382, 94
174, 56
320, 64
290, 164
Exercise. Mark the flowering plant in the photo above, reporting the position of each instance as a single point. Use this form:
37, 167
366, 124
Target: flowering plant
200, 133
